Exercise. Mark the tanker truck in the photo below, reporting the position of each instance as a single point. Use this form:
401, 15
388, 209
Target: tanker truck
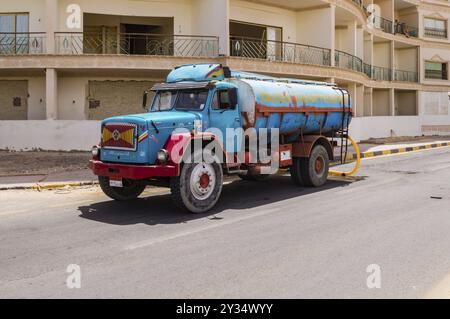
182, 141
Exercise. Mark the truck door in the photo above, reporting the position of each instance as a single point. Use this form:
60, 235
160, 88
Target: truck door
224, 113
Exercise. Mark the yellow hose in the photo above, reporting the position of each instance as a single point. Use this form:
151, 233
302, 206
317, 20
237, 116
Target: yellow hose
358, 162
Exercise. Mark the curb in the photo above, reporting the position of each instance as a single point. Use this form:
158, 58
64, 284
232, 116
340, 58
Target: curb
48, 186
401, 150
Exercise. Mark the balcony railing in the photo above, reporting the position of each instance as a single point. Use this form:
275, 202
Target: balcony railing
436, 33
405, 76
436, 74
22, 43
381, 74
136, 44
279, 51
383, 24
345, 60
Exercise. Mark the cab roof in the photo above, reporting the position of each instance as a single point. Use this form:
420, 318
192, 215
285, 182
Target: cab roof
197, 73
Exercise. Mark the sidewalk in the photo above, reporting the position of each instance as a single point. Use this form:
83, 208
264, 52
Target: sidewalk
44, 169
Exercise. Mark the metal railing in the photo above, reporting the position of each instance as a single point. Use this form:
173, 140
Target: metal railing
136, 44
436, 74
345, 60
384, 24
381, 74
22, 43
406, 30
406, 76
436, 33
279, 51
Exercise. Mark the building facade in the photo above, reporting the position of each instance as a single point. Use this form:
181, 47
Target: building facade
67, 64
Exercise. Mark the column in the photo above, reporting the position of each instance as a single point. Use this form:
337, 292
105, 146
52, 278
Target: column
51, 93
51, 17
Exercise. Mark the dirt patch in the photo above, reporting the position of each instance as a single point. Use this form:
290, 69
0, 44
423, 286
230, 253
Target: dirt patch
41, 162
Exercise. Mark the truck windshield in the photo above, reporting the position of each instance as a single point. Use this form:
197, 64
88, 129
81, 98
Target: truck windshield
180, 100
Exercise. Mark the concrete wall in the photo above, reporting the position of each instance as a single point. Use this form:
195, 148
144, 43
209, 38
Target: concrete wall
381, 103
307, 20
261, 14
35, 8
49, 135
13, 100
363, 128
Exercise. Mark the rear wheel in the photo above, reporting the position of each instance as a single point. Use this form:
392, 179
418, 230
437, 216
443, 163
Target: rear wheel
131, 189
314, 170
198, 187
295, 170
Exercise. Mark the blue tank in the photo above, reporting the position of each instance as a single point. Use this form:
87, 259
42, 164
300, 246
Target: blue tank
292, 106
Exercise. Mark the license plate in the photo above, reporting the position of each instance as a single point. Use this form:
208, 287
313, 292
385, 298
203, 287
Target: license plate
115, 183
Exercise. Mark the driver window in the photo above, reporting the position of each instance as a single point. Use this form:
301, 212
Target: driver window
221, 101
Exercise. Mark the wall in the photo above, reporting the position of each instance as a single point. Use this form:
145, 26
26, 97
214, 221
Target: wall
262, 14
49, 135
180, 10
9, 91
381, 104
405, 103
363, 128
35, 8
307, 21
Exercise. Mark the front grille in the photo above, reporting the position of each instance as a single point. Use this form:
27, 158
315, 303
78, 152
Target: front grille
119, 136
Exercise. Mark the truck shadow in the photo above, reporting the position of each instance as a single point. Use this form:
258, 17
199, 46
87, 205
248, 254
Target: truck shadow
158, 209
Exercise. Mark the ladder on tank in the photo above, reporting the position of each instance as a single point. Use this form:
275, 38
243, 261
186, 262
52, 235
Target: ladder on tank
342, 134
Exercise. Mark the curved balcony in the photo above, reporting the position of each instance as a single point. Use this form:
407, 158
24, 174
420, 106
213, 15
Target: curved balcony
279, 51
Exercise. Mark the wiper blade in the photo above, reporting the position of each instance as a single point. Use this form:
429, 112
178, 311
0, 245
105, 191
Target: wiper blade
154, 126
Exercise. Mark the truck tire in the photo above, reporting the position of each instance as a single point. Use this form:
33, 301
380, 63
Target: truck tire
295, 171
314, 170
131, 189
198, 187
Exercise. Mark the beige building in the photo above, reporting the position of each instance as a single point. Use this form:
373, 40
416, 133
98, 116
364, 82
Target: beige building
67, 64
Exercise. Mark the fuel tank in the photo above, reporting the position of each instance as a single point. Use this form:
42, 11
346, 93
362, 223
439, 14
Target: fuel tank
292, 106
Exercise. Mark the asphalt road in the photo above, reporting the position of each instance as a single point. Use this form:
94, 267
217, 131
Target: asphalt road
264, 240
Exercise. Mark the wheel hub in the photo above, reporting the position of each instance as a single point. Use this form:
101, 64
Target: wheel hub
202, 181
318, 165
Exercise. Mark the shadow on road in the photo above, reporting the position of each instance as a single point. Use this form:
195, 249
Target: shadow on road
158, 209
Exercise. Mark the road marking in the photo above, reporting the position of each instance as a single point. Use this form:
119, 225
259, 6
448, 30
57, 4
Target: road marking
404, 153
440, 291
216, 224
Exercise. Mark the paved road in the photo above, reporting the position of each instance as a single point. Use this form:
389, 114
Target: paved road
263, 240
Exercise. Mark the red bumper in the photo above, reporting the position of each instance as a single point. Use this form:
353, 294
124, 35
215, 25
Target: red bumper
119, 171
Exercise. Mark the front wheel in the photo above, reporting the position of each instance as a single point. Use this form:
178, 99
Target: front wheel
198, 187
131, 189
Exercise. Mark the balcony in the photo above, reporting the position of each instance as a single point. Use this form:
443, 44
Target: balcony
396, 27
75, 43
22, 43
279, 51
406, 76
435, 33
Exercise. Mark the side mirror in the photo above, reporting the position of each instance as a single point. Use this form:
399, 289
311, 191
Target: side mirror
144, 100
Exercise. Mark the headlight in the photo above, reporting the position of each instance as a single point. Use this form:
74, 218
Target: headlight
95, 151
162, 156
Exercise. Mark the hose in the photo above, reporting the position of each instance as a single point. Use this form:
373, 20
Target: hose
357, 164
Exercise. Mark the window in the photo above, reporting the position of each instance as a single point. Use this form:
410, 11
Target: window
435, 28
163, 101
14, 38
435, 70
191, 100
222, 100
